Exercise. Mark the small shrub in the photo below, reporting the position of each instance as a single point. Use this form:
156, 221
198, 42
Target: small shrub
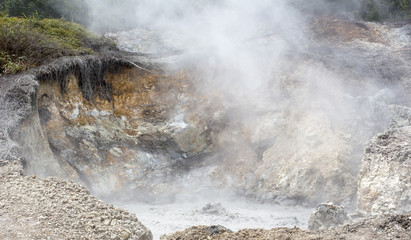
372, 13
387, 10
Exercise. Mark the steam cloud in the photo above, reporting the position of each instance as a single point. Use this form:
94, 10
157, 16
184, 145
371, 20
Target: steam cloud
261, 56
225, 33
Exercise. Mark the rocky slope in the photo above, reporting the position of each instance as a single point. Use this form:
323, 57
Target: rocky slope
316, 153
52, 208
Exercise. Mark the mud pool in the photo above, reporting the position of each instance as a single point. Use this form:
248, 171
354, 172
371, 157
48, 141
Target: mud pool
234, 215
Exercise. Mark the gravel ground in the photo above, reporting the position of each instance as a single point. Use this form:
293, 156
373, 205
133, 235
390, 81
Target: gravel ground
52, 208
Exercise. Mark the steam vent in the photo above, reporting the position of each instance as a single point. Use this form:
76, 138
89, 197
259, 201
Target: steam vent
205, 120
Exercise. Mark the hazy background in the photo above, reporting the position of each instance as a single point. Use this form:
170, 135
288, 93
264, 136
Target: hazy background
108, 15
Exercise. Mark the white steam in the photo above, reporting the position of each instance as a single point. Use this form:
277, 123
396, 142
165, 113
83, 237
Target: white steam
262, 57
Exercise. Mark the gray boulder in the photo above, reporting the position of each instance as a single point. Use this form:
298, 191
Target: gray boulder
327, 215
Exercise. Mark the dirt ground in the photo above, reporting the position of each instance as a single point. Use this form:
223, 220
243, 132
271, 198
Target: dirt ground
384, 227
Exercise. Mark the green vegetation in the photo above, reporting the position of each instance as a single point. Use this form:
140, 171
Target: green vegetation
387, 10
29, 42
71, 10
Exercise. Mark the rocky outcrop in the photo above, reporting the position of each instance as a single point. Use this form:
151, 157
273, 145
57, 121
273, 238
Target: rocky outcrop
384, 182
327, 215
307, 140
294, 166
16, 96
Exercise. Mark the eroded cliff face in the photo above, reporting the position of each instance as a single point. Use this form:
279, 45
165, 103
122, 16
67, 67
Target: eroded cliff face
135, 139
